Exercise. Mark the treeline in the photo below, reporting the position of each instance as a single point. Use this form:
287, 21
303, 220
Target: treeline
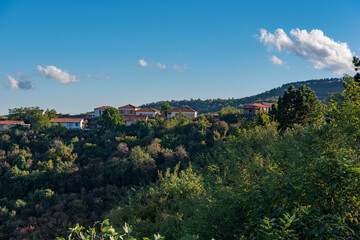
322, 87
290, 174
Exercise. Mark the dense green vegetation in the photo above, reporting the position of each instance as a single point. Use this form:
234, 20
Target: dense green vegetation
204, 178
322, 87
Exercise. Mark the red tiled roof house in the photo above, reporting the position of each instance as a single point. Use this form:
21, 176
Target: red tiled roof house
7, 124
69, 123
254, 108
128, 110
184, 110
99, 111
150, 112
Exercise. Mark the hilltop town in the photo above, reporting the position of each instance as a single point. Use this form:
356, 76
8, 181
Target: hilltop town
129, 113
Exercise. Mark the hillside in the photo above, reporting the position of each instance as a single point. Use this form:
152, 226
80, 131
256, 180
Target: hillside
322, 87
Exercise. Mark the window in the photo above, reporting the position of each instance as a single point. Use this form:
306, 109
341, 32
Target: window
77, 124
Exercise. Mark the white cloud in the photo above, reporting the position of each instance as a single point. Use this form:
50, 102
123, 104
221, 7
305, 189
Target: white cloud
56, 74
277, 61
313, 46
143, 63
161, 66
21, 82
14, 83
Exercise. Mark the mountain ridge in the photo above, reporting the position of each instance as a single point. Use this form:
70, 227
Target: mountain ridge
322, 88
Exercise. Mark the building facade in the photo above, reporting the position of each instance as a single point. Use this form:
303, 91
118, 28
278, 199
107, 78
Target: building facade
100, 110
7, 124
128, 110
150, 112
69, 123
184, 110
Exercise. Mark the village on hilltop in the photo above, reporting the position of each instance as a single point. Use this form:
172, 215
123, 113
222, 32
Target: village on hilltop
129, 113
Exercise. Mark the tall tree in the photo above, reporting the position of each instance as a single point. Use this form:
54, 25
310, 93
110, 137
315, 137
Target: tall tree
110, 119
295, 106
165, 108
39, 121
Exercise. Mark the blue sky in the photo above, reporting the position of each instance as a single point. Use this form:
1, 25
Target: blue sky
76, 55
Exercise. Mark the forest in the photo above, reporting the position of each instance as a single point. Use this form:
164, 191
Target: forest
292, 173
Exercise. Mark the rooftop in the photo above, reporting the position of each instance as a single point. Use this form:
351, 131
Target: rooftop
103, 107
66, 120
181, 109
148, 109
12, 122
129, 106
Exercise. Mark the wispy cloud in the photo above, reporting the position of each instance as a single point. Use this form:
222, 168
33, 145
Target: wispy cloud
143, 63
322, 51
21, 82
277, 61
161, 66
179, 68
56, 74
100, 76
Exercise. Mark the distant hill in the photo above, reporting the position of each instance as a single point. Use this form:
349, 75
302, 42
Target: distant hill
322, 87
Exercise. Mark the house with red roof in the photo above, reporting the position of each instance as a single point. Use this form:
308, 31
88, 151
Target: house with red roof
69, 123
7, 124
128, 110
254, 108
150, 112
184, 110
99, 110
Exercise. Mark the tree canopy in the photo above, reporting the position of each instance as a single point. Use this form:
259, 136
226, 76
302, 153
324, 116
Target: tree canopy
110, 119
295, 106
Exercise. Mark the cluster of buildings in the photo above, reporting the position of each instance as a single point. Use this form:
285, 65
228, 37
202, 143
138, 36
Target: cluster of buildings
130, 114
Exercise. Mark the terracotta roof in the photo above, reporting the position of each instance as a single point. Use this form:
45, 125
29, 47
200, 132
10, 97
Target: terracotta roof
129, 106
259, 105
12, 122
181, 109
132, 118
3, 117
269, 105
148, 109
103, 107
66, 120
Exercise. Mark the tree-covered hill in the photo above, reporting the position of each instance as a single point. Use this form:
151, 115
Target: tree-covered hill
322, 87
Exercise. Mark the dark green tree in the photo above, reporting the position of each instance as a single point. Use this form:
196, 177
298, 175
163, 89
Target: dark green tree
165, 108
39, 121
110, 119
356, 62
51, 113
23, 113
295, 106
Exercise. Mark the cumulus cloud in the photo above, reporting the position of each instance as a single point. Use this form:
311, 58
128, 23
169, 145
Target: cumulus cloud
100, 76
277, 61
143, 63
56, 74
21, 82
322, 51
161, 66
